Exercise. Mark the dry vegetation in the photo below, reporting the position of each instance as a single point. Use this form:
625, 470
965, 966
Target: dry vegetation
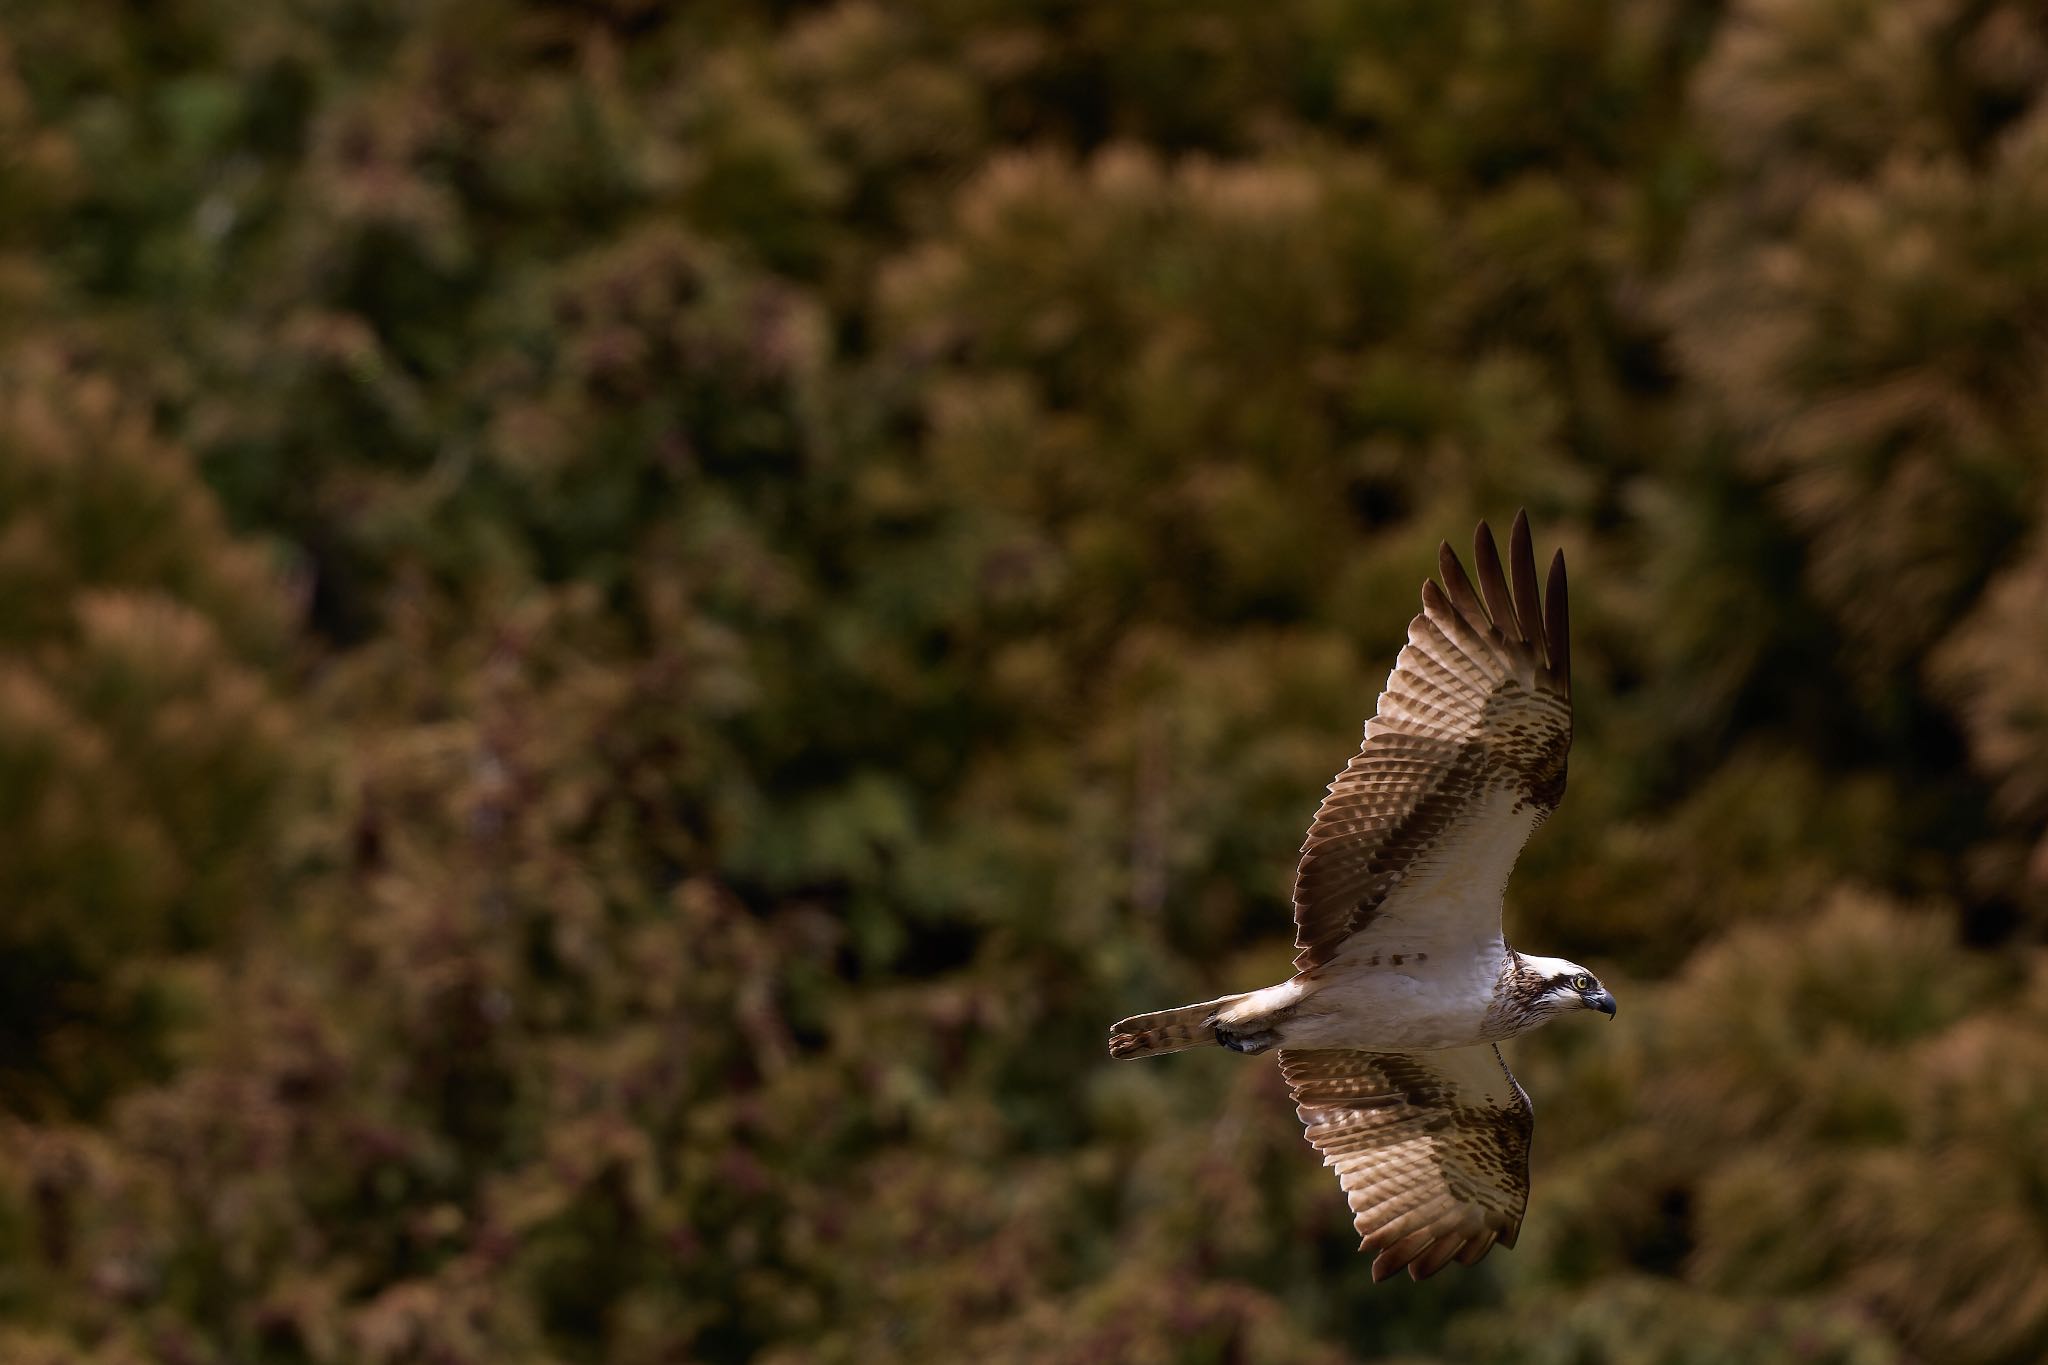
624, 628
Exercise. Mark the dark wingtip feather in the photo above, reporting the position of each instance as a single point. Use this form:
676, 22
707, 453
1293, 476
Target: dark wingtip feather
1522, 564
1500, 604
1557, 625
1440, 1253
1475, 1249
1403, 1252
1459, 586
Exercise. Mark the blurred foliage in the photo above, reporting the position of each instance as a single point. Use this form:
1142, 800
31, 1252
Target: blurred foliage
626, 627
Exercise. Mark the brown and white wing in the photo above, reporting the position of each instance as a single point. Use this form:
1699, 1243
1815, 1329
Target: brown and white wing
1432, 1149
1463, 758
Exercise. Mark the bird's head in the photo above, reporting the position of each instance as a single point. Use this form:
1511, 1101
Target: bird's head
1558, 986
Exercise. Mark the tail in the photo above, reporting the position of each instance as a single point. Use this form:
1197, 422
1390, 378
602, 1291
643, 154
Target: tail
1147, 1035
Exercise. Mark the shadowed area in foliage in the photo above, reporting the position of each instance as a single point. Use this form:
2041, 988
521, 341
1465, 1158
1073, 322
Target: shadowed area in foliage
623, 626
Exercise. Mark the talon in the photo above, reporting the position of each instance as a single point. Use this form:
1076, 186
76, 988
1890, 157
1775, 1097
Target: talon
1244, 1042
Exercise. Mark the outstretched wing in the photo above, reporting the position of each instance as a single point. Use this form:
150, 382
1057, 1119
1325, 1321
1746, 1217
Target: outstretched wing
1432, 1149
1464, 757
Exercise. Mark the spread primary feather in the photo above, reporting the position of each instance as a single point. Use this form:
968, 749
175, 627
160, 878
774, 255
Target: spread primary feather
1404, 982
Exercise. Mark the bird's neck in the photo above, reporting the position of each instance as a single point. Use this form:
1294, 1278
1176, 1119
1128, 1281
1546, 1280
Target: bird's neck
1515, 993
1519, 976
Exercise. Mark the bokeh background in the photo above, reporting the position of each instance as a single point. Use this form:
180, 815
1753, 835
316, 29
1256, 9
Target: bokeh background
625, 628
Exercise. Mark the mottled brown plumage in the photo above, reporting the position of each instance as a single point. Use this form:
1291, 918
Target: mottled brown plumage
1403, 981
1432, 1149
1480, 699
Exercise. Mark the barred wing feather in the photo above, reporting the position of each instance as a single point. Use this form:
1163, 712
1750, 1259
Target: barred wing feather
1432, 1149
1464, 756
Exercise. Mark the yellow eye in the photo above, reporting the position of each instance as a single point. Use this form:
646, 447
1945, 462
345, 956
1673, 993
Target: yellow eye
1582, 982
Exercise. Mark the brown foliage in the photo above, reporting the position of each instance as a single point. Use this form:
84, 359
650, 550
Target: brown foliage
626, 626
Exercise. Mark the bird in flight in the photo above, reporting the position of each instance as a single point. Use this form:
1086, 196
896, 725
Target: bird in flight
1404, 984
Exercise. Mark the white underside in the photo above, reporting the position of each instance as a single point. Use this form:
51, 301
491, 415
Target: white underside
1391, 1010
1444, 924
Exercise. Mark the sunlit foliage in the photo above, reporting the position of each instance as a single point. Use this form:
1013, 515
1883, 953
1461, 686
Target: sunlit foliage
627, 626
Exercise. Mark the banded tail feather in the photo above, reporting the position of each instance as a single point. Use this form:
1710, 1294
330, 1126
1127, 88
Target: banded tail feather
1404, 983
1175, 1030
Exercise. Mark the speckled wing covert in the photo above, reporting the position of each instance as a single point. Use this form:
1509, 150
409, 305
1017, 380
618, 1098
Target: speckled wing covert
1464, 757
1432, 1149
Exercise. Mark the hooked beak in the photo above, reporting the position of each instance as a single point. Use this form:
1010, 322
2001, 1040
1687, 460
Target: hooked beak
1602, 1001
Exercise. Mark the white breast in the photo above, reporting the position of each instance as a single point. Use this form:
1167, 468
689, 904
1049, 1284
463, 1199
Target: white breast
1437, 1002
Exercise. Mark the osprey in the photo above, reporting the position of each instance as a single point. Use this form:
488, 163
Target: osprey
1404, 984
